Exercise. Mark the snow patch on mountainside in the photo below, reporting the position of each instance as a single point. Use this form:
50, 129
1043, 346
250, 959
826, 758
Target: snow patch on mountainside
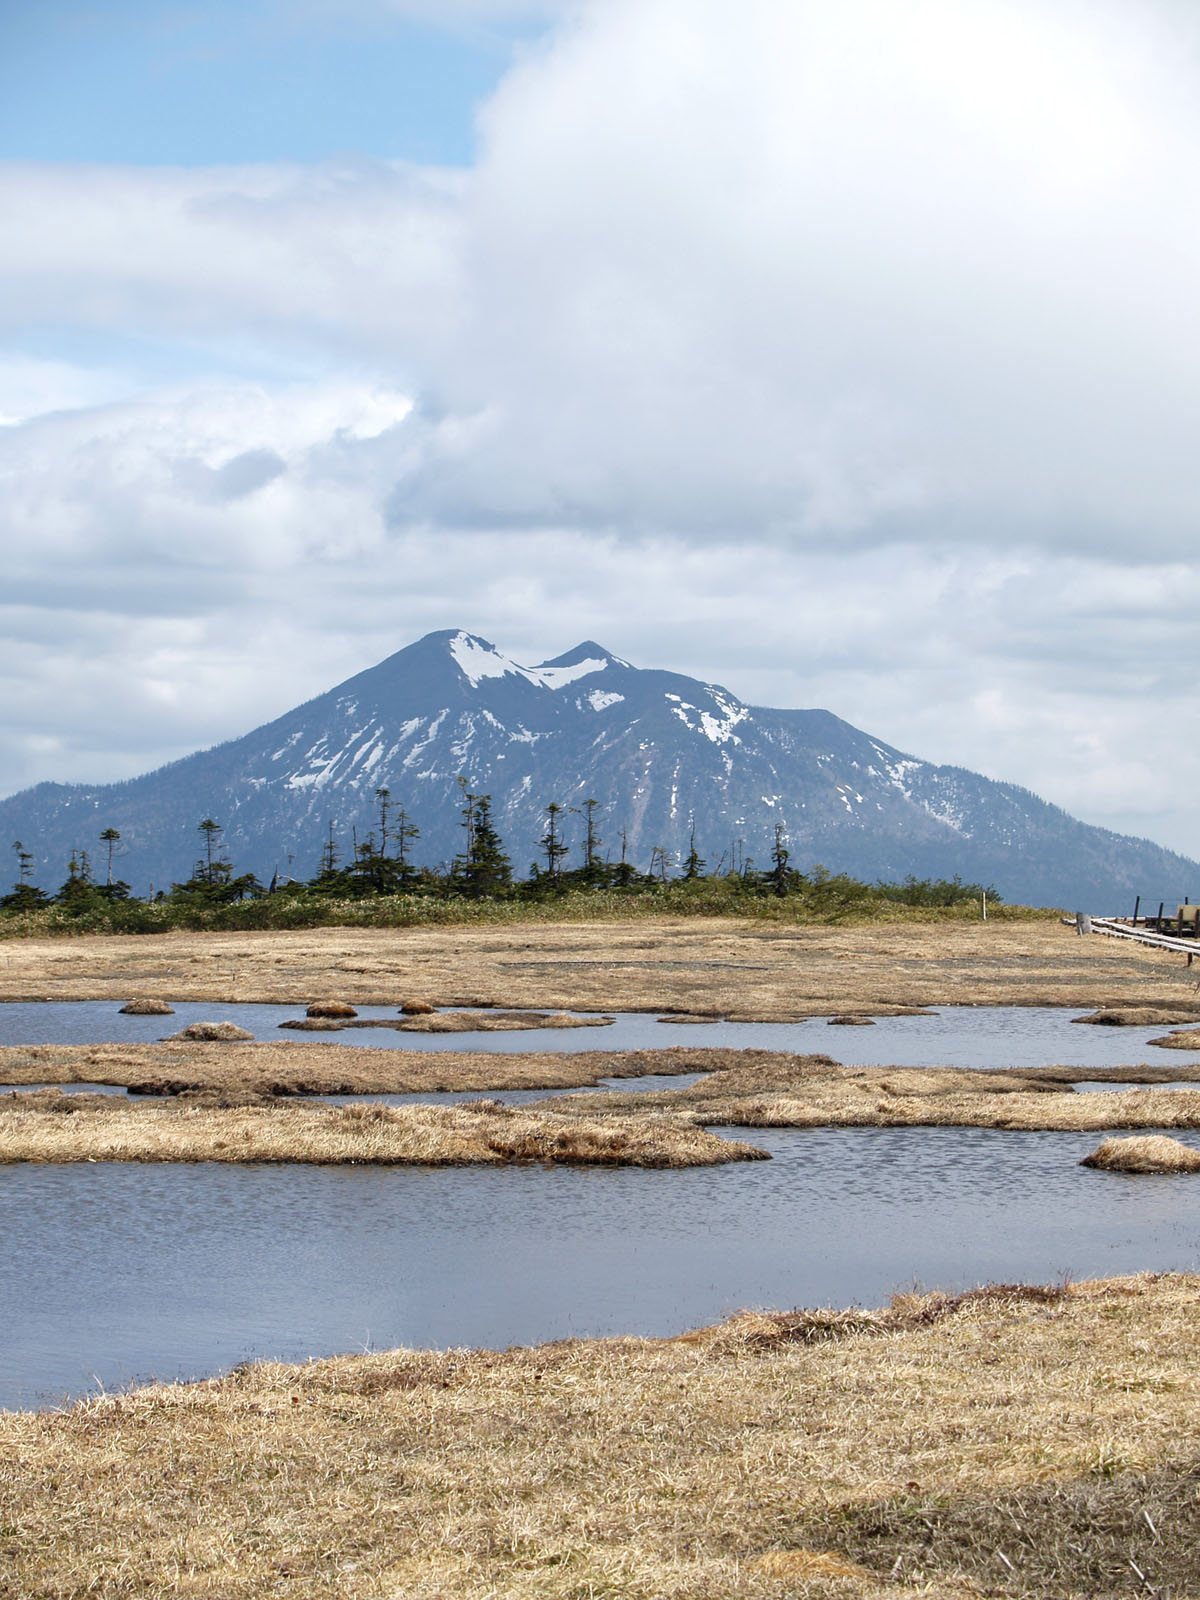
559, 677
477, 660
431, 735
720, 729
899, 774
600, 699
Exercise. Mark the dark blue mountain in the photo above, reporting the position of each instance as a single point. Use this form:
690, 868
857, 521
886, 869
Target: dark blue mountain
661, 753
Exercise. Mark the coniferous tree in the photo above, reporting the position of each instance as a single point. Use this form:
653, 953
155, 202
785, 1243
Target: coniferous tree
483, 869
624, 873
694, 863
779, 876
552, 843
78, 893
212, 881
112, 888
25, 896
660, 861
331, 878
405, 833
593, 867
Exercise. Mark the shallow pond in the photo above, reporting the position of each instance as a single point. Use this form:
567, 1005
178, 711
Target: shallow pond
958, 1036
115, 1273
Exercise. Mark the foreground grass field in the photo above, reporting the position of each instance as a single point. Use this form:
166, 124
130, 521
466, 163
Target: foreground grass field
1022, 1442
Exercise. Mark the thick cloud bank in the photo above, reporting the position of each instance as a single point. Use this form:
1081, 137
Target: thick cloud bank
842, 353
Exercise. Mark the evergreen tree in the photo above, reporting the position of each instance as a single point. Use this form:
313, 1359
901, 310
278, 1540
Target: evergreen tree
552, 843
593, 867
212, 881
214, 869
384, 796
331, 878
112, 888
483, 869
660, 861
25, 896
78, 893
405, 833
624, 873
779, 877
694, 864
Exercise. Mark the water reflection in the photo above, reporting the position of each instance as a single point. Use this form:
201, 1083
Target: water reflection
110, 1273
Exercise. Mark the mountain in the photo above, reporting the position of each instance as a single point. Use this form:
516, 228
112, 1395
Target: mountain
657, 750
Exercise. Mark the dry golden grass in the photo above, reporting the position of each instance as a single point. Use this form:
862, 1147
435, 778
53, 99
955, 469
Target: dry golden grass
52, 1126
323, 1021
750, 1088
1140, 1016
761, 1089
291, 1067
1150, 1153
210, 1033
1181, 1039
706, 967
1032, 1443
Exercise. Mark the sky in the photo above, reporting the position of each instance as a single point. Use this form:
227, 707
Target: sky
847, 356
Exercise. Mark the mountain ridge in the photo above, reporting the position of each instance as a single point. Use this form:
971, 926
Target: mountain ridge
659, 751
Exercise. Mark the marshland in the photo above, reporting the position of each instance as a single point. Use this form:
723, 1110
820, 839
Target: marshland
995, 1434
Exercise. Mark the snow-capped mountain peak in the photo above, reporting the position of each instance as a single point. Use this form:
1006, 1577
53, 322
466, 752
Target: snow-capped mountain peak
665, 757
478, 659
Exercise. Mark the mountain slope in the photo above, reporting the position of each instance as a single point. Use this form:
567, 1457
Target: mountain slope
657, 750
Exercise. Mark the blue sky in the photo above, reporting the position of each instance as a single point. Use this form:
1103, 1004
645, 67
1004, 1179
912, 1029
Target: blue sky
162, 82
847, 355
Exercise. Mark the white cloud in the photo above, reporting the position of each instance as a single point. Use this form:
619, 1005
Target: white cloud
341, 260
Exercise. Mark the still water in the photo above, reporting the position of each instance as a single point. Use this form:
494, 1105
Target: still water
958, 1036
114, 1273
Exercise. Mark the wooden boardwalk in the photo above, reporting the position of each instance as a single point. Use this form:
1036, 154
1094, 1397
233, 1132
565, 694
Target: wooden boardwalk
1115, 928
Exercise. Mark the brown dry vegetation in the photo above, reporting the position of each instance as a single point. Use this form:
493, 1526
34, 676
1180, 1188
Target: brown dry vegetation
1181, 1039
706, 967
1151, 1153
52, 1126
763, 1089
1034, 1443
750, 1088
283, 1068
451, 1022
1140, 1016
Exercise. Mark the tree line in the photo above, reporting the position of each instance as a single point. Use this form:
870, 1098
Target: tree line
383, 864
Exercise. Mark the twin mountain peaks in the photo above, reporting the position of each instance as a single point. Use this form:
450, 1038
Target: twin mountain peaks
660, 753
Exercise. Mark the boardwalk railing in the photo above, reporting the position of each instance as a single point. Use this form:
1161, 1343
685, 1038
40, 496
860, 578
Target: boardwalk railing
1116, 929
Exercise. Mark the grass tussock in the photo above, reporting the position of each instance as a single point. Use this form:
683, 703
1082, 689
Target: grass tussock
52, 1126
1142, 1016
760, 1089
1150, 1153
1032, 1444
278, 1068
718, 967
450, 1022
740, 1088
1181, 1039
210, 1033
